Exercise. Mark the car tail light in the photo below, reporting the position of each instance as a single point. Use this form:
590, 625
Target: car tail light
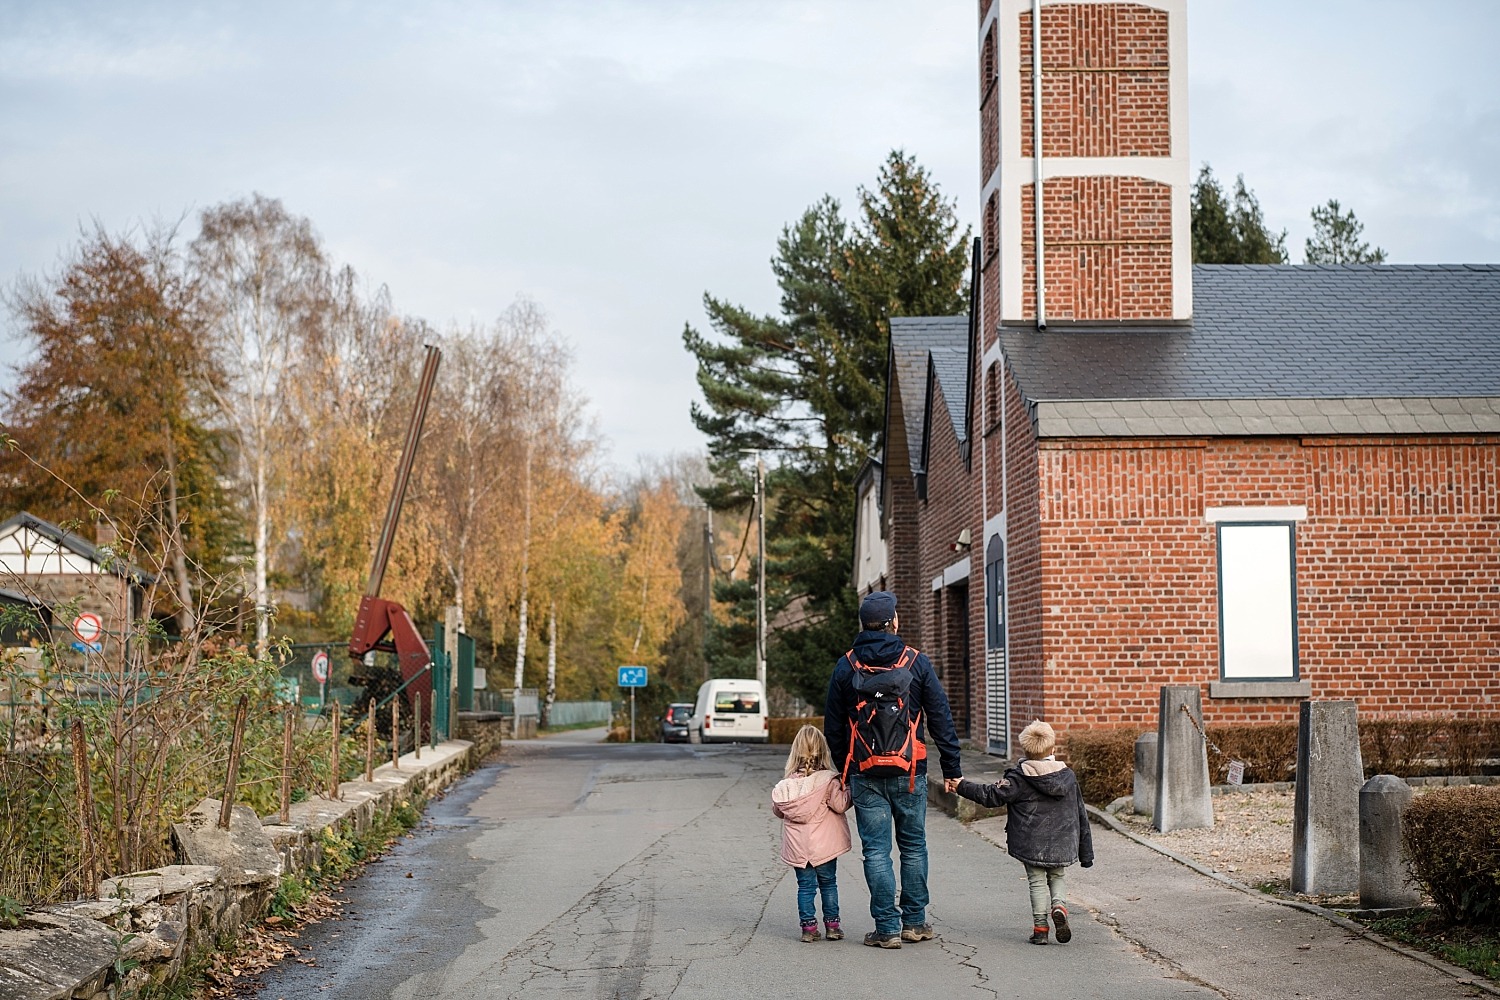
765, 723
707, 722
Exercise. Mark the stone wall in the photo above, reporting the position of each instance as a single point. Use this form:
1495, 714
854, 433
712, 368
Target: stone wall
145, 927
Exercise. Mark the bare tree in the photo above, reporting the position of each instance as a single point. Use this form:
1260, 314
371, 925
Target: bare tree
265, 286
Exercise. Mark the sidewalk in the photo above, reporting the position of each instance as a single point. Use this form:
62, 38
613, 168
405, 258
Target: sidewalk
1239, 942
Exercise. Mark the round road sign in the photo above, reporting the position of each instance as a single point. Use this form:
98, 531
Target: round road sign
320, 666
87, 627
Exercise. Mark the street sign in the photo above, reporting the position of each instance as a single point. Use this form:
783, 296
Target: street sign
632, 677
88, 628
320, 666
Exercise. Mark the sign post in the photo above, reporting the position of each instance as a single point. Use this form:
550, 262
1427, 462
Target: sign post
320, 674
632, 677
87, 629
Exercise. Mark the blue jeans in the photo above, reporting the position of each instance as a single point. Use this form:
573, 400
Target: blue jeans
809, 881
879, 803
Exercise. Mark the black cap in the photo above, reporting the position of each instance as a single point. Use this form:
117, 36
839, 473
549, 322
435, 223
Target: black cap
877, 609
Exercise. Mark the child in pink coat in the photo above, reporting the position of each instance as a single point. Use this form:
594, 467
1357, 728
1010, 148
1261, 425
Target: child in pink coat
811, 802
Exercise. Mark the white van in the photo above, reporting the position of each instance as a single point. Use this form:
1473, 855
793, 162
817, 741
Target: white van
728, 710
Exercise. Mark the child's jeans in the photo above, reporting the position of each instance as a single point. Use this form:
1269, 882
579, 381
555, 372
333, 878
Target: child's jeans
1046, 888
810, 880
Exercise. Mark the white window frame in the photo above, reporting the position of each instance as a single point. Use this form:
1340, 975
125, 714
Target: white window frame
1257, 595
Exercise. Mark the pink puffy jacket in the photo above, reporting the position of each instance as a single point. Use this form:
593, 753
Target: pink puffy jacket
812, 806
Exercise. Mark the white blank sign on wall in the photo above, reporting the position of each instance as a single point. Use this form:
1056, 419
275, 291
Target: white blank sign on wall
1257, 602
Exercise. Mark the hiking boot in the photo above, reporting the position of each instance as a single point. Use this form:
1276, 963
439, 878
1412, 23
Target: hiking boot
1060, 923
1038, 935
810, 932
875, 939
916, 932
835, 933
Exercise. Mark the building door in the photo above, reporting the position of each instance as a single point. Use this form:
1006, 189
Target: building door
996, 665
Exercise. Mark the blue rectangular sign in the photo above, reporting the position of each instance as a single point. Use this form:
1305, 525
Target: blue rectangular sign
632, 677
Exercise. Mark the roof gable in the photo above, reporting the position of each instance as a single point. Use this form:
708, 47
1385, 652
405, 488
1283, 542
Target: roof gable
912, 340
30, 546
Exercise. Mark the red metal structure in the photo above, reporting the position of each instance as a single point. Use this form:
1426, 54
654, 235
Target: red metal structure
385, 625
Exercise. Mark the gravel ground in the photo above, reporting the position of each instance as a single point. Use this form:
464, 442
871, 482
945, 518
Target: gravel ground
1251, 839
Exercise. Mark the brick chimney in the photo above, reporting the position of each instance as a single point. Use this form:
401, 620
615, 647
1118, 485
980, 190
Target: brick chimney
1115, 174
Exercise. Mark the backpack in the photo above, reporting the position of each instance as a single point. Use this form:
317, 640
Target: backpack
883, 727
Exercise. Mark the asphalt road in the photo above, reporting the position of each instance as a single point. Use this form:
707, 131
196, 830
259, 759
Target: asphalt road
571, 868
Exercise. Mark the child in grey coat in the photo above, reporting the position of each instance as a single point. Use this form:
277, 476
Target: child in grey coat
1046, 827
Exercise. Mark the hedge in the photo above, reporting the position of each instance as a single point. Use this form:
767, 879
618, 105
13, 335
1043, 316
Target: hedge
1104, 760
782, 730
1452, 836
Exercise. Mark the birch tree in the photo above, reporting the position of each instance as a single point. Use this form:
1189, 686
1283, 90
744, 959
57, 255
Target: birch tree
265, 284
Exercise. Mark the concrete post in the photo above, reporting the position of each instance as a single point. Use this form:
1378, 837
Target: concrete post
1382, 861
1325, 819
1145, 775
1183, 799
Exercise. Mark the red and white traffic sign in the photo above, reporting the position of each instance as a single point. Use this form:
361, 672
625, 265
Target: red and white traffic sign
320, 666
88, 628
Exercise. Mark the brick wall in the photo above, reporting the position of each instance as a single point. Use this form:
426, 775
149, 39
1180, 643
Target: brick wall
903, 534
1109, 248
1398, 573
1104, 81
1024, 609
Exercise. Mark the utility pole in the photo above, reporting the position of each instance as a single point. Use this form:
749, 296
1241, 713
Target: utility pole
708, 581
760, 587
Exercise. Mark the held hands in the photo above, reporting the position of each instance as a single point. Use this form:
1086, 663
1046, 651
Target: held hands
951, 784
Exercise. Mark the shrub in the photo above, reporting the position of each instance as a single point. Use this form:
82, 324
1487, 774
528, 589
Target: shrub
1452, 836
1104, 761
1268, 751
1396, 746
782, 730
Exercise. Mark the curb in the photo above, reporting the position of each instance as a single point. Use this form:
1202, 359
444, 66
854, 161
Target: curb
1462, 976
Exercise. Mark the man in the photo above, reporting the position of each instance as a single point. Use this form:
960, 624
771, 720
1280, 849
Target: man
884, 795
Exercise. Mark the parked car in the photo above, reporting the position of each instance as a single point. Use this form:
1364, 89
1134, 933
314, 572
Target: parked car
729, 711
674, 724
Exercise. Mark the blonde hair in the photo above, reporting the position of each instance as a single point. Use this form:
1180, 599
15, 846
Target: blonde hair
809, 753
1037, 739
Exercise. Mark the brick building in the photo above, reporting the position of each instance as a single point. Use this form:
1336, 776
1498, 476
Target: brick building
1275, 482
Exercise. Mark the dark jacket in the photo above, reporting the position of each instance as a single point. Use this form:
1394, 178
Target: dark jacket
881, 649
1045, 824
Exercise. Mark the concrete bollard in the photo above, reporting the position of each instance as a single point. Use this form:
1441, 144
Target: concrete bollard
1382, 860
1325, 819
1144, 802
1183, 798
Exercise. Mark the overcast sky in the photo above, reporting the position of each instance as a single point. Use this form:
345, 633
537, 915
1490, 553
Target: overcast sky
615, 159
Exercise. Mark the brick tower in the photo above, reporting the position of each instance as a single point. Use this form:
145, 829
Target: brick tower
1114, 170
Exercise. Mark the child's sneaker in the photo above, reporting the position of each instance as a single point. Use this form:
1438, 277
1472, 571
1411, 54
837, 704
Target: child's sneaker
1039, 934
810, 932
1060, 922
835, 933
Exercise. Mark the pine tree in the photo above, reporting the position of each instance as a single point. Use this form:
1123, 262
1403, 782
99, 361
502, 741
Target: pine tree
1233, 231
807, 389
1336, 238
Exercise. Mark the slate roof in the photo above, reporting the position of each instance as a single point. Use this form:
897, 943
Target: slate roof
912, 340
1281, 349
950, 366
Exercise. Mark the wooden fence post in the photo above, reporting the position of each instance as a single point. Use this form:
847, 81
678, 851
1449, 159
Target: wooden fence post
232, 779
334, 768
85, 811
286, 765
396, 732
370, 743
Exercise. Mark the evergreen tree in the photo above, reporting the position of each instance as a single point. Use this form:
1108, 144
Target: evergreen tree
1233, 231
1336, 238
807, 389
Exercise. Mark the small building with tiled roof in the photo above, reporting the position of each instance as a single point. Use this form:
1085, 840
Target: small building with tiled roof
1273, 482
61, 575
